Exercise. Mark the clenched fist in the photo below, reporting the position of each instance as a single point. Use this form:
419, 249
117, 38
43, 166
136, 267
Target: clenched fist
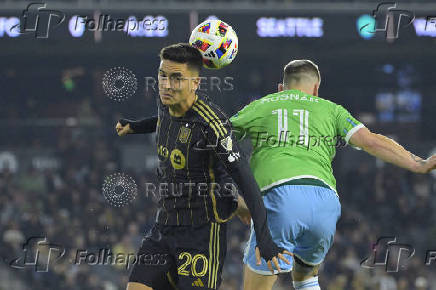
123, 129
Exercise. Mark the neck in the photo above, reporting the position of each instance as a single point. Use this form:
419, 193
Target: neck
179, 110
305, 89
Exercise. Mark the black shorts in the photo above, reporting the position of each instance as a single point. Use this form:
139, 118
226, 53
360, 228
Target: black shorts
181, 257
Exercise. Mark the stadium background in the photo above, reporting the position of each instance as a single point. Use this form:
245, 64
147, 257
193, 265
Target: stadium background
58, 140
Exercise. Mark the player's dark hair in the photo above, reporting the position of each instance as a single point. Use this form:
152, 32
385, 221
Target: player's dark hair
300, 69
183, 53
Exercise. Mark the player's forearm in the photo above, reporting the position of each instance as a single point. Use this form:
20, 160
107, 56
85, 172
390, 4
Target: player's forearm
143, 126
390, 151
250, 191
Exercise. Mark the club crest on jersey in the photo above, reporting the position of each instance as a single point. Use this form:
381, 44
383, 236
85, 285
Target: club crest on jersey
184, 134
227, 143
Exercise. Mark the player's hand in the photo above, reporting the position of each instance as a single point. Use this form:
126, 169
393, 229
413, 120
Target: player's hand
274, 260
123, 129
244, 215
425, 166
242, 212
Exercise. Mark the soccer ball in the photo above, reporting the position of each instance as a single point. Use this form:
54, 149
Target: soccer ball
217, 42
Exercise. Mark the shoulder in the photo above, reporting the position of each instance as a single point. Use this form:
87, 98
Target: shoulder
211, 115
328, 102
329, 106
208, 110
206, 105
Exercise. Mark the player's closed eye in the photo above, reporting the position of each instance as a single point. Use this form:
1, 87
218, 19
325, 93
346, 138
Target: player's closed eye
176, 81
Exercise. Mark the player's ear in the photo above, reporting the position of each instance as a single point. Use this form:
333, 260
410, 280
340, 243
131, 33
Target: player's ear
279, 87
195, 83
315, 89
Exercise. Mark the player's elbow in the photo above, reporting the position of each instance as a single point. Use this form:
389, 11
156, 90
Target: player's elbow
372, 143
365, 139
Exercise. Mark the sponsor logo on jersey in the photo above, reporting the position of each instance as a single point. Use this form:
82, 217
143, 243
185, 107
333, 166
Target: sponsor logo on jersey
234, 156
177, 159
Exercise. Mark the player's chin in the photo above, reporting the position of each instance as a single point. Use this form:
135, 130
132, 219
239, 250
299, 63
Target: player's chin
167, 99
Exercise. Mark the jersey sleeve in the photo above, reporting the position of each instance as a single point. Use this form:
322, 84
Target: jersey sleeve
346, 124
143, 126
218, 132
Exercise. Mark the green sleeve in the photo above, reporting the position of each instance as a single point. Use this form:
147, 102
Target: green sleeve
243, 120
346, 124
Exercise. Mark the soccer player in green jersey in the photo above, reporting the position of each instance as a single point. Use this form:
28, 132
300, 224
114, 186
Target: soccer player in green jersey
294, 134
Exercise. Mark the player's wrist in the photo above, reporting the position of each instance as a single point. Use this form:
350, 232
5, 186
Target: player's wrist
268, 249
127, 122
418, 165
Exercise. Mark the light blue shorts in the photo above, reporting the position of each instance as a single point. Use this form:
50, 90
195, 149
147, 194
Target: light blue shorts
302, 219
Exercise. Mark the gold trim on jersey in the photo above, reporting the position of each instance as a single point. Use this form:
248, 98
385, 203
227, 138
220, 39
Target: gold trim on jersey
212, 196
171, 281
188, 175
166, 146
217, 120
212, 119
205, 111
210, 254
214, 255
212, 125
217, 255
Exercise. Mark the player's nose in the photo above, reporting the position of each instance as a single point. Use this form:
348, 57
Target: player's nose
164, 83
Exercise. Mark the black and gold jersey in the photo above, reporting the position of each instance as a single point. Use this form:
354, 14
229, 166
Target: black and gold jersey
193, 150
198, 161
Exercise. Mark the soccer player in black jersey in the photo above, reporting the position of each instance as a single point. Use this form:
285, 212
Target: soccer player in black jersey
198, 158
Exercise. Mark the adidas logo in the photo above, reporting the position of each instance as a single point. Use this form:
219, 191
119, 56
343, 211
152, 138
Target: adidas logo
210, 54
198, 283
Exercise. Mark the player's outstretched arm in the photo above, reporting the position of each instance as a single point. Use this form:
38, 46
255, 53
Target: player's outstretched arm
239, 170
243, 212
390, 151
143, 126
219, 136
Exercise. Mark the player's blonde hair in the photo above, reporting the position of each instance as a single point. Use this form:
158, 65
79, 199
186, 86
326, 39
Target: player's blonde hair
300, 70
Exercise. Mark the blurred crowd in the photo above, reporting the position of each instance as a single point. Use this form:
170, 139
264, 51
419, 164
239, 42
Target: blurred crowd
64, 202
197, 1
66, 206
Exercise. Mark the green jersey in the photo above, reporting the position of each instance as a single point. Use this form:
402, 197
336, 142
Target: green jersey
294, 135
